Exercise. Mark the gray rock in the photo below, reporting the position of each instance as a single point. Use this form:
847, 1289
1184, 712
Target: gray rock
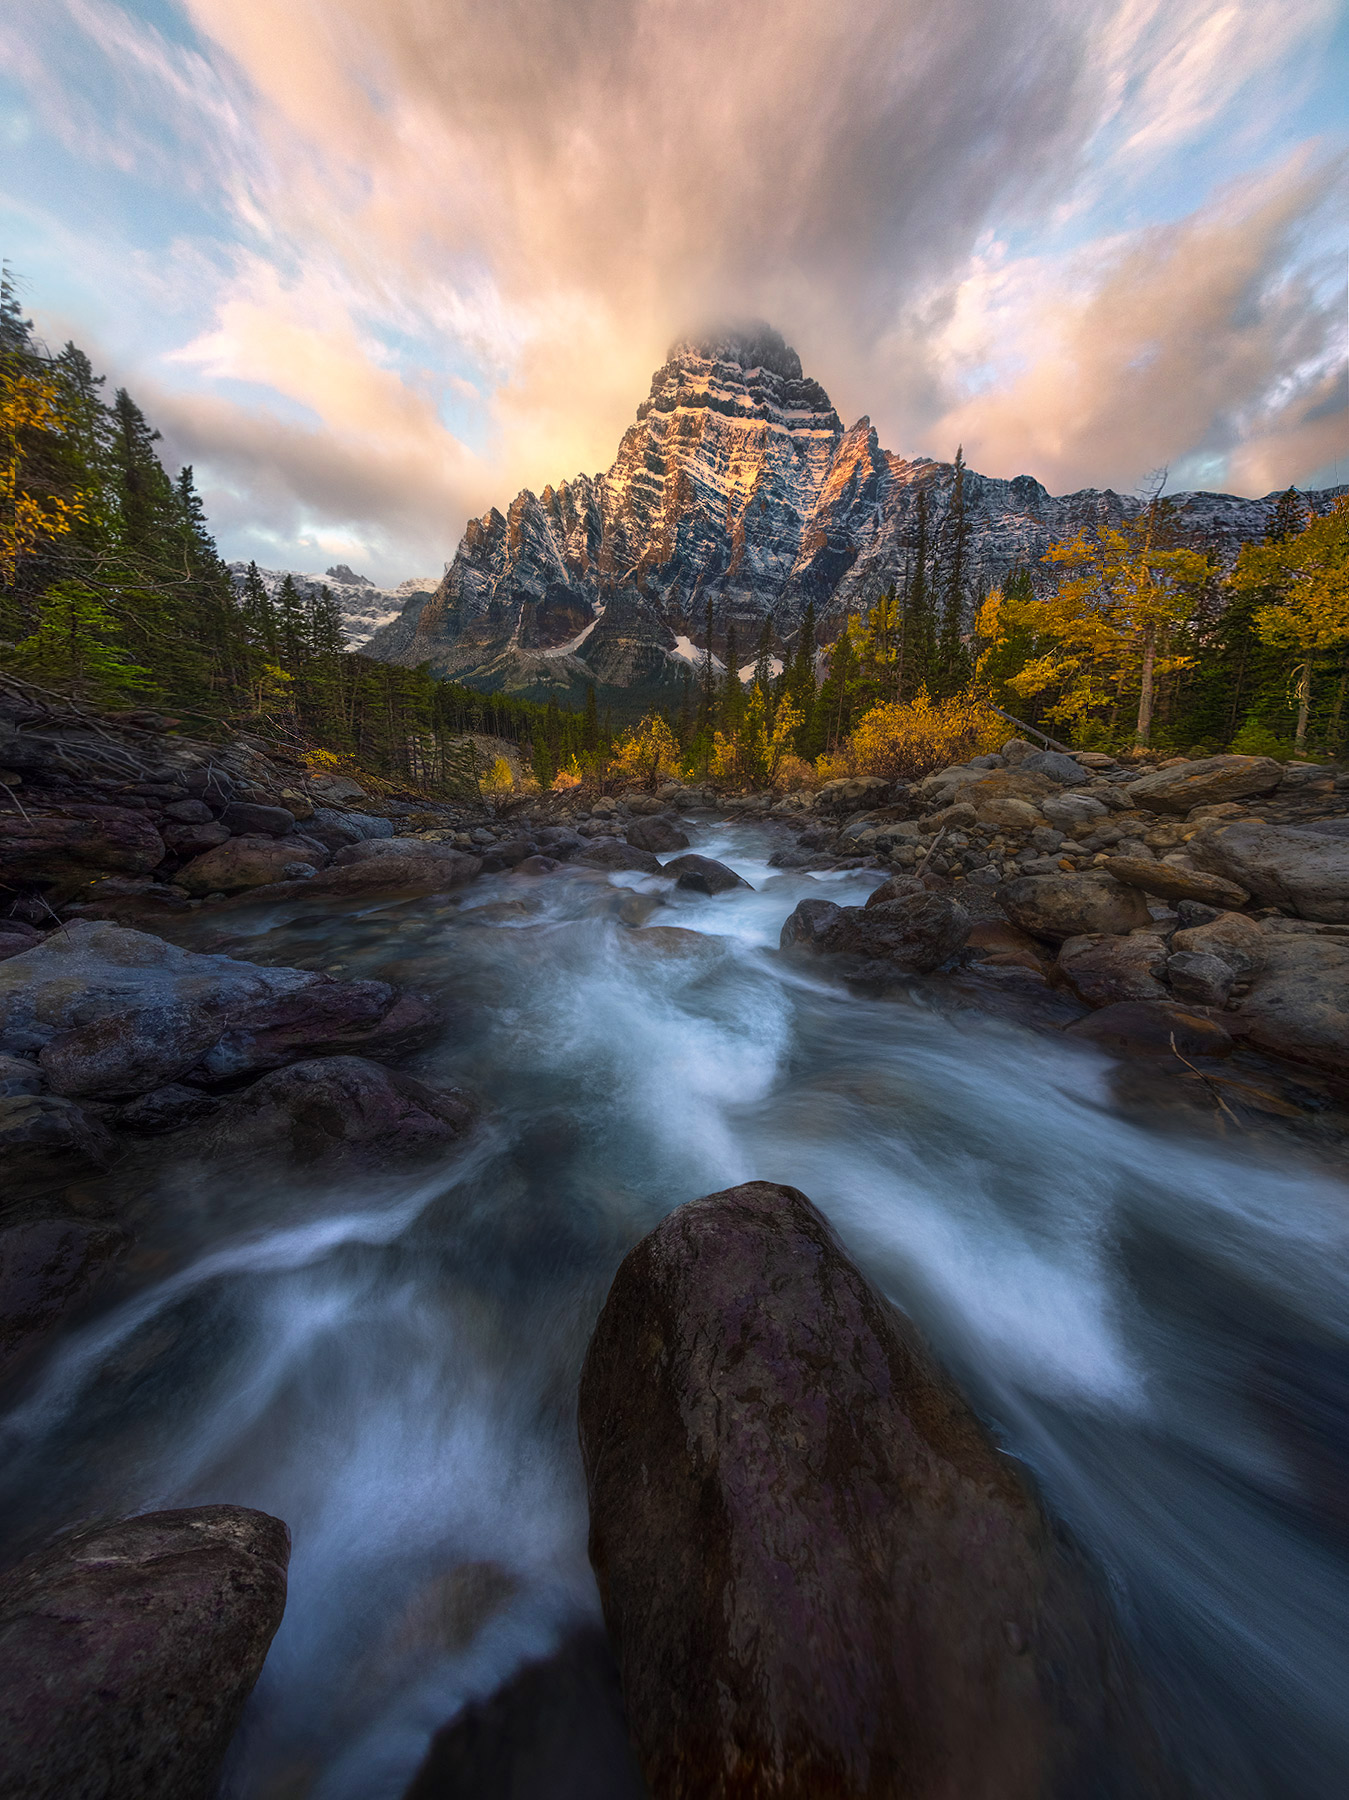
245, 862
806, 926
1207, 782
1237, 940
165, 1109
19, 1076
1060, 906
1171, 881
657, 834
1102, 970
65, 848
189, 812
614, 854
704, 875
1199, 977
48, 1268
128, 1652
243, 818
43, 1134
335, 829
852, 793
915, 931
1305, 871
1298, 1006
1054, 764
1067, 810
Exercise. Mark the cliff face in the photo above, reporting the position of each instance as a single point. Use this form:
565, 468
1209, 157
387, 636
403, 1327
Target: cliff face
737, 485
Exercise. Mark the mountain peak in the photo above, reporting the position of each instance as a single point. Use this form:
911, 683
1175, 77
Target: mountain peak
340, 572
746, 344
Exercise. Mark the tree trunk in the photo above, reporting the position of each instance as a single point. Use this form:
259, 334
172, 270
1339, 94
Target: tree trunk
1304, 703
1145, 696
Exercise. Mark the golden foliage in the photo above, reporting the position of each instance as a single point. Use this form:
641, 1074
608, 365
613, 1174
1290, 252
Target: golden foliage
28, 402
644, 752
907, 741
568, 777
498, 781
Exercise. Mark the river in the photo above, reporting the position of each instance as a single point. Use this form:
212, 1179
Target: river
1154, 1316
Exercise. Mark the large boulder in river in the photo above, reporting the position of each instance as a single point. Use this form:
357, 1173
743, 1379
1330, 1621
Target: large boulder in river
704, 875
1207, 782
1303, 869
820, 1574
1063, 906
1298, 1006
615, 855
114, 1013
246, 862
127, 1652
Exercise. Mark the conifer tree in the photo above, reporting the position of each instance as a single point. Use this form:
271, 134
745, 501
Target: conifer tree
953, 670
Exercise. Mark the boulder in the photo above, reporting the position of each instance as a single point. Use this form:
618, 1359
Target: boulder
245, 862
537, 865
807, 925
559, 841
1208, 782
1009, 814
1153, 1028
1239, 941
615, 855
129, 1649
1067, 810
1200, 978
1303, 871
1101, 970
48, 1268
704, 875
507, 854
1055, 766
1298, 1006
993, 942
189, 812
820, 1574
242, 818
42, 1134
20, 1076
165, 1109
1062, 906
334, 829
340, 1108
414, 868
556, 1729
115, 1013
915, 931
15, 939
657, 834
194, 840
65, 848
894, 887
1170, 881
852, 794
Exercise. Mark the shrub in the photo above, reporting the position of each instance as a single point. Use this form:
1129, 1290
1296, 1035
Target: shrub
1256, 739
498, 781
908, 741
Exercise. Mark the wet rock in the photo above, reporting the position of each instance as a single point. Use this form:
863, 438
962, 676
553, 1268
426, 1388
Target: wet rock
335, 830
1208, 782
1171, 882
1102, 970
43, 1134
657, 834
241, 818
556, 1731
194, 840
1202, 979
189, 812
341, 1108
405, 864
245, 862
559, 841
1303, 871
537, 865
704, 875
1001, 945
115, 1013
805, 927
915, 931
19, 1076
1068, 905
1239, 941
836, 1584
895, 887
1054, 765
16, 938
1148, 1027
613, 853
129, 1650
48, 1268
165, 1109
1298, 1006
507, 854
66, 848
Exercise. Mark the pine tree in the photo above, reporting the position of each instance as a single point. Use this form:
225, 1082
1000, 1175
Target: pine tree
732, 693
292, 623
708, 710
920, 630
763, 661
953, 669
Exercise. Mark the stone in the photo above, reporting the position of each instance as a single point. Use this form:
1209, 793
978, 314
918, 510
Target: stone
189, 812
1015, 750
819, 1573
915, 932
1303, 871
559, 841
245, 862
806, 926
334, 829
1009, 814
994, 942
641, 804
1172, 881
1102, 970
341, 1108
507, 854
852, 794
19, 1076
895, 887
45, 1135
114, 1013
657, 834
1148, 1028
537, 865
165, 1109
1298, 1005
405, 864
13, 943
65, 848
704, 875
1239, 941
614, 854
1067, 810
1213, 779
556, 1729
129, 1649
1055, 766
242, 818
1072, 905
194, 840
1199, 977
48, 1268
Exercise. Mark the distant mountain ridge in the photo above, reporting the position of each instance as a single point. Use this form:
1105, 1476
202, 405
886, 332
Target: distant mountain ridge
736, 484
365, 607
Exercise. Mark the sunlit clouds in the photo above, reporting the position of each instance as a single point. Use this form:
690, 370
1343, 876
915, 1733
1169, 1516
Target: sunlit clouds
383, 262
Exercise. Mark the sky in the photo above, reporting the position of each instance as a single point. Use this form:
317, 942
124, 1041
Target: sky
372, 266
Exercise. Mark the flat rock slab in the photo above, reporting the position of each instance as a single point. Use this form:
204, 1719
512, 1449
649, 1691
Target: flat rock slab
1303, 871
820, 1575
127, 1652
1207, 782
1171, 883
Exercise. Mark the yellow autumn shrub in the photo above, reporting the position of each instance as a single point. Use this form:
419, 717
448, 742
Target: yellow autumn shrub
906, 741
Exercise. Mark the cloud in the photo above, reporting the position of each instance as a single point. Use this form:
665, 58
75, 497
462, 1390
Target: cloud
461, 235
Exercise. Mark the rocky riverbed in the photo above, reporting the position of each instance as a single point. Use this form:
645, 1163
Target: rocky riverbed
329, 1119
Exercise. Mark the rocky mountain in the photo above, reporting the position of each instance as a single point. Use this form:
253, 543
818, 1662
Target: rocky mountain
736, 485
365, 607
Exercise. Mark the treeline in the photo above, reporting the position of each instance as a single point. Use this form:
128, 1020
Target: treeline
112, 592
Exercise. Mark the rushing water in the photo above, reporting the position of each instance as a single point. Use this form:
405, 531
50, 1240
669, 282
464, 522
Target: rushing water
1154, 1317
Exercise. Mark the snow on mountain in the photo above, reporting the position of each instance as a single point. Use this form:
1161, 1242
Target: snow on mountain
365, 607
